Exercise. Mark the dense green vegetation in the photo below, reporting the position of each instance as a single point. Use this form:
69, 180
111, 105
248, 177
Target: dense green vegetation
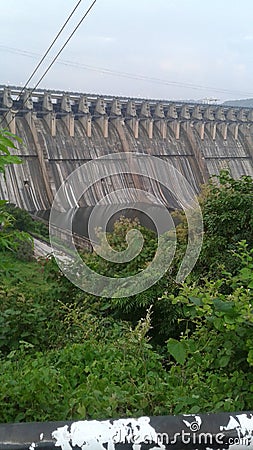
172, 349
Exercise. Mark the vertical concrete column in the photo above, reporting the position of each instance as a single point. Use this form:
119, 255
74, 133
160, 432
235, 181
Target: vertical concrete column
53, 124
159, 120
202, 131
7, 100
246, 129
69, 121
197, 113
86, 123
150, 128
222, 125
131, 118
103, 124
185, 118
146, 119
198, 123
84, 114
27, 101
116, 110
236, 131
233, 127
10, 118
223, 128
200, 127
47, 108
250, 116
105, 127
220, 114
209, 113
134, 124
173, 120
68, 118
10, 114
231, 115
43, 159
162, 127
242, 115
172, 112
50, 118
212, 126
27, 104
71, 125
176, 128
101, 117
116, 117
28, 118
185, 112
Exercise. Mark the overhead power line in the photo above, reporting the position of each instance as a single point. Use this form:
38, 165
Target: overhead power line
128, 75
59, 52
48, 50
64, 45
51, 45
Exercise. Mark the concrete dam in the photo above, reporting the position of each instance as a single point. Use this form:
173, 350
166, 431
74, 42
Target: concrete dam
63, 130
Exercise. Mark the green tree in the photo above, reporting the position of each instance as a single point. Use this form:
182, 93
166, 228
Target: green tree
228, 218
212, 360
6, 142
227, 209
11, 239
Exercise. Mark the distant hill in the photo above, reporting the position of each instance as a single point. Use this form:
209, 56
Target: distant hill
246, 102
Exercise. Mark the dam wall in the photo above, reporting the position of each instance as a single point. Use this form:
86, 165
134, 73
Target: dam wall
61, 131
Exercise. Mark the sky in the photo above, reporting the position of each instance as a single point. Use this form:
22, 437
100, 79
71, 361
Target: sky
163, 49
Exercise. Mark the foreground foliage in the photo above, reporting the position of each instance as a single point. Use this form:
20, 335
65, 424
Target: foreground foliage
10, 238
214, 354
65, 354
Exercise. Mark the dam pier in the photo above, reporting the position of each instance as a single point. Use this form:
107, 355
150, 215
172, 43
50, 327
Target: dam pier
63, 130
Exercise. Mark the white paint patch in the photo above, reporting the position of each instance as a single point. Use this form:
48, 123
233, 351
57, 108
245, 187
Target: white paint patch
244, 428
62, 437
32, 446
101, 435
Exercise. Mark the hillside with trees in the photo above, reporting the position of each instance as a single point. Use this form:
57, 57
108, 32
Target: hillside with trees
243, 103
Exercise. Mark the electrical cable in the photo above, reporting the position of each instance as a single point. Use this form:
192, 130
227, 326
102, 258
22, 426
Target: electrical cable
64, 45
128, 75
49, 48
59, 52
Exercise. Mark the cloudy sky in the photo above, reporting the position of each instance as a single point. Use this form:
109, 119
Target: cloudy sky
167, 49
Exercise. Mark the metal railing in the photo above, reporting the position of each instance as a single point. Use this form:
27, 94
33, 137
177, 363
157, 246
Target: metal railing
194, 431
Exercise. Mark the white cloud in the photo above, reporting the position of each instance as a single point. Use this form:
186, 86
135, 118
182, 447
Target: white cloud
101, 39
248, 37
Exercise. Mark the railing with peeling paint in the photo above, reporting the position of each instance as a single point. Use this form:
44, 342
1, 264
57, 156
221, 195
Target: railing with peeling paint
192, 431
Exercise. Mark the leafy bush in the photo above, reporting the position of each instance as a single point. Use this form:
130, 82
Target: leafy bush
20, 243
6, 142
24, 222
17, 242
65, 354
227, 207
216, 348
115, 377
165, 315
